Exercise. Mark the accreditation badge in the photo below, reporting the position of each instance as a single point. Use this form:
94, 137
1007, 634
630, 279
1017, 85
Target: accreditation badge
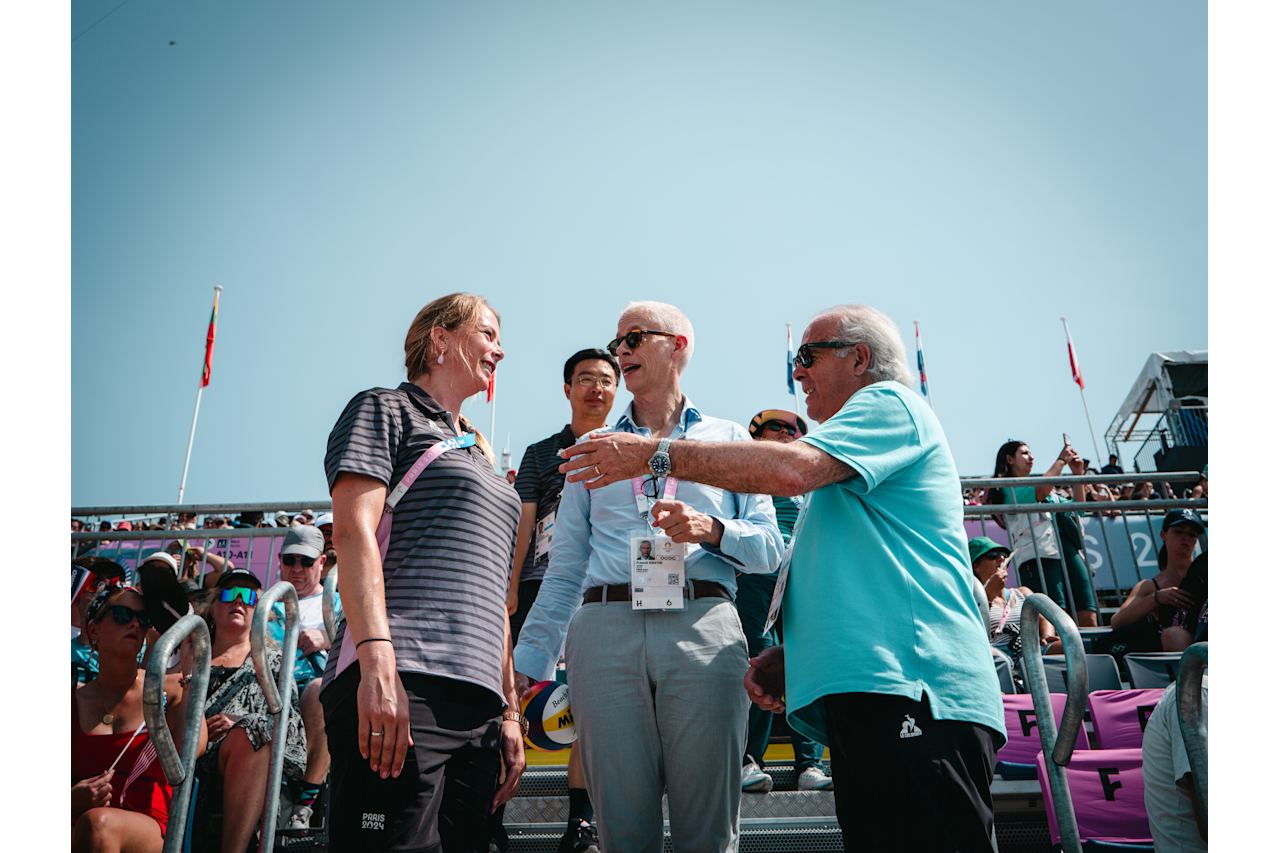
542, 536
657, 573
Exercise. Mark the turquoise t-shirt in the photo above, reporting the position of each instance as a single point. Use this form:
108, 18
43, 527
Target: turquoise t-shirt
879, 597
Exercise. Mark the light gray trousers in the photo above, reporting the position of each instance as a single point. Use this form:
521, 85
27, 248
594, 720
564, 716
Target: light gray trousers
658, 700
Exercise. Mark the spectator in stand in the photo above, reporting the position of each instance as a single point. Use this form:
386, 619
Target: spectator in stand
1035, 535
1201, 489
302, 563
1145, 490
305, 517
249, 519
283, 519
1161, 614
653, 687
425, 645
324, 523
1113, 465
591, 378
1168, 786
119, 794
234, 769
755, 593
511, 476
88, 575
201, 568
990, 561
185, 521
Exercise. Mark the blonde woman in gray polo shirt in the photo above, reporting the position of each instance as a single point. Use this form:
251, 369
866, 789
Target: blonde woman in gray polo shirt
419, 699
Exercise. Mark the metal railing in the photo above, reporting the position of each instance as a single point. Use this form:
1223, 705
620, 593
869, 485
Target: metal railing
1057, 744
179, 768
1195, 729
329, 589
1119, 552
276, 692
244, 547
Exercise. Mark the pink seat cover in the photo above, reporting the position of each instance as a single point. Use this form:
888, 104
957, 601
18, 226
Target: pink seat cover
1106, 791
1120, 716
1024, 733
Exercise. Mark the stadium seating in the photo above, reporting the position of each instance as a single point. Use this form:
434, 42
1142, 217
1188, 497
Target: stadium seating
1120, 716
1103, 672
1016, 759
1152, 669
1107, 794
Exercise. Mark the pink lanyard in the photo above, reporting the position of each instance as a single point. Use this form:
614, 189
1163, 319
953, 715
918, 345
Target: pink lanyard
642, 501
1008, 603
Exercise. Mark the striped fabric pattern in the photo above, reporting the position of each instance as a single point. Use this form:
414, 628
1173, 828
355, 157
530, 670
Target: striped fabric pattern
452, 536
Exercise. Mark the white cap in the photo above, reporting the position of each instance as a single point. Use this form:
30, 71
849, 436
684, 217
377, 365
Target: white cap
323, 519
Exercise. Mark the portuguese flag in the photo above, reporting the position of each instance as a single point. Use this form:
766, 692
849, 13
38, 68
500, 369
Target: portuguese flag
208, 341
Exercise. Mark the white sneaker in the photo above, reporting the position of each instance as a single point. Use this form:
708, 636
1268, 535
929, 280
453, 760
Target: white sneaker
813, 779
301, 817
756, 780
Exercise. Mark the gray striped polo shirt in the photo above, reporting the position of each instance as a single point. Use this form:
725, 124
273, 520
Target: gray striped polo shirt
452, 536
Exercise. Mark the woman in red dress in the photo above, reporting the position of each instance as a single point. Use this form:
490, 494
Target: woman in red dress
126, 806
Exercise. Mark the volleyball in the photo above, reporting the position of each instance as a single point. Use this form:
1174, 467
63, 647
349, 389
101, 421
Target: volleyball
550, 718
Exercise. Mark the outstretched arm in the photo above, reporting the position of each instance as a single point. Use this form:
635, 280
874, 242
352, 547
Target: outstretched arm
766, 468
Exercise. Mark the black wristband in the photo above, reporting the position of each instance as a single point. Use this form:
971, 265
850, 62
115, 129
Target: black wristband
373, 640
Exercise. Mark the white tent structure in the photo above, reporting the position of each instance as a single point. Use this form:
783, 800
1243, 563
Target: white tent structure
1167, 408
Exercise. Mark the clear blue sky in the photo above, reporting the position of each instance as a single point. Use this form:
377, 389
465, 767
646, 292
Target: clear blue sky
982, 168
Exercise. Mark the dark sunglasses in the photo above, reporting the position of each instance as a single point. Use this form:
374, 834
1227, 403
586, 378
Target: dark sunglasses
804, 355
290, 559
122, 615
633, 338
243, 593
780, 426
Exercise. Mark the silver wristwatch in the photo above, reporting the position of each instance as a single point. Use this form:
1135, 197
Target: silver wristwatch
660, 462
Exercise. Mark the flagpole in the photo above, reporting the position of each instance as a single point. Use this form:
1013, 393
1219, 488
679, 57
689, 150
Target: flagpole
195, 415
493, 425
924, 385
1088, 420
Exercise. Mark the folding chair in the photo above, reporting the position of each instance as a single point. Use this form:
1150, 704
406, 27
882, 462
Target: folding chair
1017, 758
1120, 716
1107, 795
1152, 669
1102, 670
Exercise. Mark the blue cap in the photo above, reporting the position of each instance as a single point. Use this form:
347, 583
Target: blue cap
1183, 516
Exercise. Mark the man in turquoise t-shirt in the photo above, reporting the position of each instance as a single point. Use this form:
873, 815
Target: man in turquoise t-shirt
886, 650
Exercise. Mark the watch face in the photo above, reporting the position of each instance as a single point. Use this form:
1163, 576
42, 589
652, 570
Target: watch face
660, 463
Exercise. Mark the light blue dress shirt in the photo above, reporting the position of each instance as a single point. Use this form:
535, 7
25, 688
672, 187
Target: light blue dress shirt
592, 541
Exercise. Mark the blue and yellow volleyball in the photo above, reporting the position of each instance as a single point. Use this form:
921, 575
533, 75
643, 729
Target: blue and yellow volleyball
550, 717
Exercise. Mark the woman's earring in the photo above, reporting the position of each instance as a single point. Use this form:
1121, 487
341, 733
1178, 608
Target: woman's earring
440, 357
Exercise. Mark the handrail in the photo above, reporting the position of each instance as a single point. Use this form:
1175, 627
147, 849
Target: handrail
1195, 731
1056, 744
329, 591
1078, 506
277, 695
1073, 479
178, 769
325, 505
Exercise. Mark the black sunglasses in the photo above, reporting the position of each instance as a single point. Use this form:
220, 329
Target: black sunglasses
290, 559
633, 338
122, 615
780, 426
804, 355
650, 487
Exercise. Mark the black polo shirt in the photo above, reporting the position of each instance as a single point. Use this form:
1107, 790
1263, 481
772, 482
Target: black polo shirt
539, 481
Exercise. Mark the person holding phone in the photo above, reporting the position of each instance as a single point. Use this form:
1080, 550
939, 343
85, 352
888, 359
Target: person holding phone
1042, 565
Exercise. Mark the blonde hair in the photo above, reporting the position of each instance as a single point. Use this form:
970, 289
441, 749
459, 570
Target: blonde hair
481, 441
668, 318
452, 312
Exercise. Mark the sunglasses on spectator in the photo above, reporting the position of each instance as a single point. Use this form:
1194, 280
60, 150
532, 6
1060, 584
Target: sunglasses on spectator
290, 559
232, 594
804, 355
633, 338
122, 615
781, 426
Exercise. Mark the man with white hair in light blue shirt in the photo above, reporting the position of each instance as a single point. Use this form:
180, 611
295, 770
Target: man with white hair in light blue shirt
655, 650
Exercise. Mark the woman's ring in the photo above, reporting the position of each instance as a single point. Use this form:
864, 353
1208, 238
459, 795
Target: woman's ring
597, 467
376, 734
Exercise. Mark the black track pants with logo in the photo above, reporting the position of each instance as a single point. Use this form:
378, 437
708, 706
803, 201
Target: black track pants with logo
905, 781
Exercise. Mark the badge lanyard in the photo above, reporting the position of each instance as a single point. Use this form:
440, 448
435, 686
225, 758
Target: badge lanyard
642, 501
775, 605
657, 579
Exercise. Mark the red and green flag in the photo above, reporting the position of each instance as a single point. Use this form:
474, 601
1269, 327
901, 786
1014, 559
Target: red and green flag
208, 341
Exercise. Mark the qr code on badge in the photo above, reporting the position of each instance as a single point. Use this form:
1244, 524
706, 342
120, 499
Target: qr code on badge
673, 580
